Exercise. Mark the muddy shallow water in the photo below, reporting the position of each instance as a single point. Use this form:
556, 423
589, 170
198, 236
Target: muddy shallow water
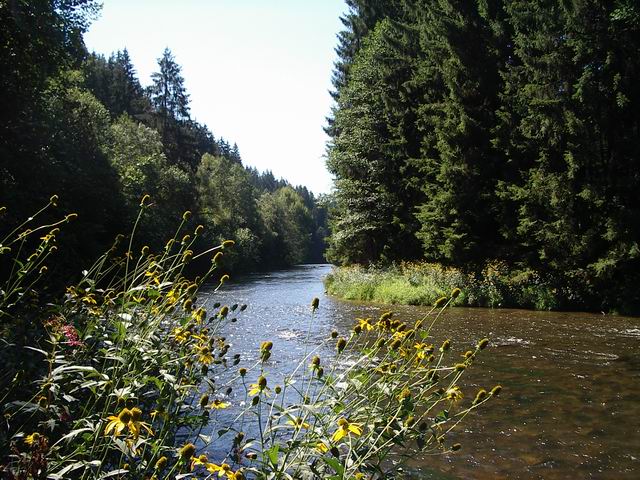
570, 407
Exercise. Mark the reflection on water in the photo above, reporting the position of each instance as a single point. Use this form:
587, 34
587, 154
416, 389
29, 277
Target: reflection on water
571, 400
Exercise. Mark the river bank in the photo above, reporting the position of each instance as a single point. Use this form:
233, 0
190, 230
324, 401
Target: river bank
495, 286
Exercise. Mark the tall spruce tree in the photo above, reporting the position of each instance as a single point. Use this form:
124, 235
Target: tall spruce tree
369, 151
459, 75
168, 93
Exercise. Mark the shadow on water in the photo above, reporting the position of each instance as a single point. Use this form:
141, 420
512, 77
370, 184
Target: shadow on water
570, 404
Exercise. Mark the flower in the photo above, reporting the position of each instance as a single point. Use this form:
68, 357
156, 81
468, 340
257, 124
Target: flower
219, 404
322, 447
129, 419
201, 460
223, 470
187, 451
346, 428
31, 439
118, 423
365, 323
259, 387
453, 394
440, 302
135, 425
199, 314
71, 334
204, 355
298, 423
181, 334
161, 463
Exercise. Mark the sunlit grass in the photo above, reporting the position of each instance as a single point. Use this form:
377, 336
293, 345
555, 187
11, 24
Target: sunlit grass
496, 285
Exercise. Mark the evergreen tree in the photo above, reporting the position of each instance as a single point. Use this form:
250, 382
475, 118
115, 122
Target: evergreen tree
167, 92
459, 73
370, 150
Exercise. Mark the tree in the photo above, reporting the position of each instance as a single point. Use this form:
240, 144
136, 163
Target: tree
135, 152
459, 65
168, 93
288, 225
370, 151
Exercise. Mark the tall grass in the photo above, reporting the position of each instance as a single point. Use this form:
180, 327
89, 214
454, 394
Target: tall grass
128, 372
496, 285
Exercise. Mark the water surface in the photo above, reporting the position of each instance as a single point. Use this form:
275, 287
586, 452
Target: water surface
570, 407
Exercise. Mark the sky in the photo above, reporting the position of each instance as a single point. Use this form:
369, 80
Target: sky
258, 71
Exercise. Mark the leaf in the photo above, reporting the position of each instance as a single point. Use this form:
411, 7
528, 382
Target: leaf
113, 473
272, 454
37, 350
335, 464
74, 433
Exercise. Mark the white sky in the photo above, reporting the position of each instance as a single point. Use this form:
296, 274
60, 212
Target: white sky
258, 71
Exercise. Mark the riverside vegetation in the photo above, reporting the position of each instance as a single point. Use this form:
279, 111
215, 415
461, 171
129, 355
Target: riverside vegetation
423, 283
117, 378
81, 125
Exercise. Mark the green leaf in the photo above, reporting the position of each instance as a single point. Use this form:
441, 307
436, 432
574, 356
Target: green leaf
335, 464
272, 454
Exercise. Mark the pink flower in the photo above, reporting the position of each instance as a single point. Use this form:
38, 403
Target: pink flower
71, 334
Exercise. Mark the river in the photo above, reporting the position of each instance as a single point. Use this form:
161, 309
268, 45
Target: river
571, 400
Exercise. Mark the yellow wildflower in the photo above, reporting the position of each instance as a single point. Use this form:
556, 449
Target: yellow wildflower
219, 404
259, 387
181, 335
187, 451
223, 470
322, 447
118, 423
129, 419
346, 428
199, 314
201, 460
454, 394
204, 355
298, 423
173, 296
135, 425
365, 323
31, 439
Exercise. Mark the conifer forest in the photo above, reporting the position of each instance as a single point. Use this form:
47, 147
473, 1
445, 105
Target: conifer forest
465, 133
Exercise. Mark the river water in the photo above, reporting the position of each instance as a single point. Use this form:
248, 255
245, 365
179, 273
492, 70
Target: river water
570, 407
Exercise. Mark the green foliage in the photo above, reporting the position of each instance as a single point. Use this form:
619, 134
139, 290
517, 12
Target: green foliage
491, 131
495, 285
287, 222
369, 154
82, 126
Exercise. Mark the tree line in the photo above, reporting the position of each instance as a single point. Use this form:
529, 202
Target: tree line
80, 125
471, 131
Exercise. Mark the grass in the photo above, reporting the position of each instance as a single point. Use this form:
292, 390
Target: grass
423, 283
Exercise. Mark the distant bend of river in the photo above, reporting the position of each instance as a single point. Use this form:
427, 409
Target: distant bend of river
570, 407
